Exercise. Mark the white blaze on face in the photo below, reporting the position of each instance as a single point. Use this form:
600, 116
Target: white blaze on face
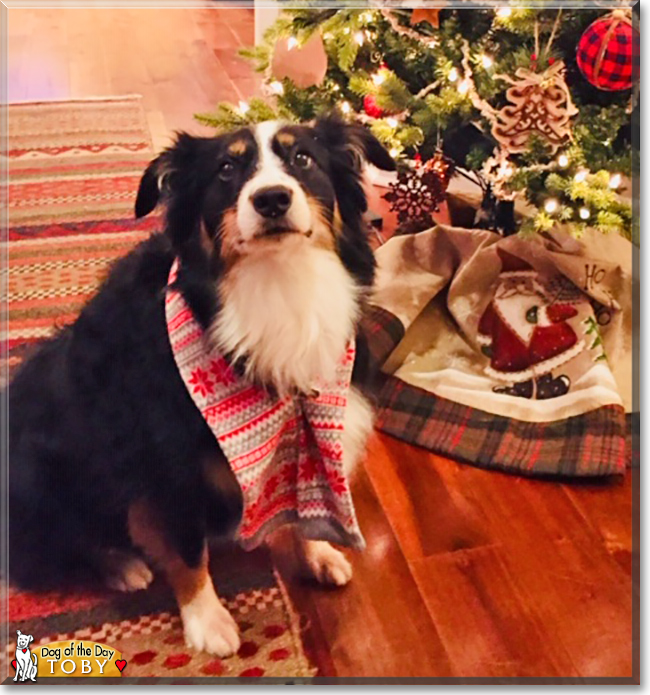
270, 172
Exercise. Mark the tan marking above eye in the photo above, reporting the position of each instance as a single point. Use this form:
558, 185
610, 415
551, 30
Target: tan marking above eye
286, 139
238, 147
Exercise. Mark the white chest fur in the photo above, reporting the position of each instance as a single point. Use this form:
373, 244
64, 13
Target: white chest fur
290, 311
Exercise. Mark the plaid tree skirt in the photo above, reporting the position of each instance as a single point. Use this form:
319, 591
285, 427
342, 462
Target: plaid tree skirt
540, 386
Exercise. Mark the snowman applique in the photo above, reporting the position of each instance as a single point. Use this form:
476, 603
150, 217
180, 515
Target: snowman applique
525, 331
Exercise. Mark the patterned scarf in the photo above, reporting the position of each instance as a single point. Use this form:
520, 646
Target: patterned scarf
286, 452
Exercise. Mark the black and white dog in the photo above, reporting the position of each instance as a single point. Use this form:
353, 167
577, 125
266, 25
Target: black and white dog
108, 453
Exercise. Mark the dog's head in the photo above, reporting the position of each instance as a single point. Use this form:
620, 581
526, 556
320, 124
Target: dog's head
23, 641
260, 187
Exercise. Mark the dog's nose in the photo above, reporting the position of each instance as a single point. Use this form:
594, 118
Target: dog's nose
272, 201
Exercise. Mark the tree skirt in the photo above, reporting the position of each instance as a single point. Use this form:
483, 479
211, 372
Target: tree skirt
74, 169
513, 354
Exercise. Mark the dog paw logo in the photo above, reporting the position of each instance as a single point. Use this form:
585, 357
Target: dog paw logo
25, 662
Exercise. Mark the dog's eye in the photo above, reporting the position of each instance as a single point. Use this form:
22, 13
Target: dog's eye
226, 171
303, 160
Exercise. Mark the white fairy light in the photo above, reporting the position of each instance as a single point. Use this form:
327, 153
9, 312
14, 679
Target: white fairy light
366, 17
504, 12
487, 61
551, 205
243, 107
359, 37
392, 122
393, 152
580, 176
453, 75
346, 30
345, 107
292, 42
563, 160
379, 78
463, 87
584, 213
615, 181
277, 88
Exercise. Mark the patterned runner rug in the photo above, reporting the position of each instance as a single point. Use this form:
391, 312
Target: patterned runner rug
74, 169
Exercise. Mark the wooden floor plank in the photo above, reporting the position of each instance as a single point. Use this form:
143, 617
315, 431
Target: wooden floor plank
378, 625
488, 628
429, 515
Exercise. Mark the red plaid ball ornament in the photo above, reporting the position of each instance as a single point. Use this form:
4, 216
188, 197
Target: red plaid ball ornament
608, 52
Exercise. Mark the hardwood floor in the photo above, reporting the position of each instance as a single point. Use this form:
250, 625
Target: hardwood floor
182, 61
468, 573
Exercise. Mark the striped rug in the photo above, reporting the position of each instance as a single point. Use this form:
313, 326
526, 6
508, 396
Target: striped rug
74, 169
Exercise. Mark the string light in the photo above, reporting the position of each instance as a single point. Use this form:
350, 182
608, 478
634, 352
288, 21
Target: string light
328, 36
453, 75
392, 122
345, 107
487, 61
563, 160
504, 12
394, 152
615, 182
277, 88
580, 176
243, 107
359, 37
551, 206
346, 30
292, 42
584, 213
366, 16
463, 87
379, 78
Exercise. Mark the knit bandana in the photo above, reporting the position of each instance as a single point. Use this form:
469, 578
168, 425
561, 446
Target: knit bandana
286, 452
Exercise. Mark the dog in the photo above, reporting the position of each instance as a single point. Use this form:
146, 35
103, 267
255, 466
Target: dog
25, 666
111, 463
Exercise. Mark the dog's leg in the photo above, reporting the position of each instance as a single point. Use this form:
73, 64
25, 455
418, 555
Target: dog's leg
207, 624
322, 561
124, 571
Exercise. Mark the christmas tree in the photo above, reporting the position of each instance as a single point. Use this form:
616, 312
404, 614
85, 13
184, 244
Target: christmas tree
533, 103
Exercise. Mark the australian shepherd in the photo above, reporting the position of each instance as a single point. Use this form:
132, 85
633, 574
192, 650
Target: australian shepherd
111, 463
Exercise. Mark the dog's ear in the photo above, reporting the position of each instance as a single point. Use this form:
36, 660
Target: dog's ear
150, 188
348, 146
19, 633
355, 139
31, 639
371, 149
167, 171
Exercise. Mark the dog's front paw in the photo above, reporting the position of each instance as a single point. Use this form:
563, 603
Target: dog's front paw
326, 564
125, 571
210, 629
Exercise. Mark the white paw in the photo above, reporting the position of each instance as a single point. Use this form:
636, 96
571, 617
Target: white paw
327, 564
126, 572
213, 630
